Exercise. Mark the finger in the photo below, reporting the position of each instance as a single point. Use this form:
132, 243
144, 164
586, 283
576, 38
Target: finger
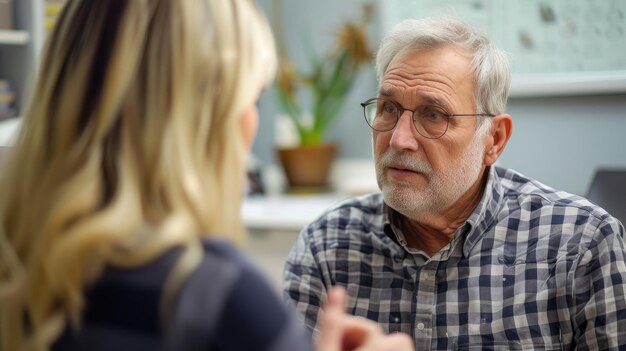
350, 331
336, 300
340, 331
399, 342
331, 330
393, 342
357, 332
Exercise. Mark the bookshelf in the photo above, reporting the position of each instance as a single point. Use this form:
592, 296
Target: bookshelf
20, 48
8, 131
14, 37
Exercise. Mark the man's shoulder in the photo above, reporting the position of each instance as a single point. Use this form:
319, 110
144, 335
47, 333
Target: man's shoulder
371, 204
532, 195
515, 183
365, 207
357, 213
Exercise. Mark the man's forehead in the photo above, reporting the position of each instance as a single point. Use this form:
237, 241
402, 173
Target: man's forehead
390, 91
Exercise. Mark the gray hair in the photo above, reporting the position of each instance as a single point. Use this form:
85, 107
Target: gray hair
490, 64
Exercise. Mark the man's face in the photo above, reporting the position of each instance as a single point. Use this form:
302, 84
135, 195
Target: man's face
417, 175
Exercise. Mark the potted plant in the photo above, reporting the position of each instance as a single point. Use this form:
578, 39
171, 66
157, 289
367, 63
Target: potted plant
329, 80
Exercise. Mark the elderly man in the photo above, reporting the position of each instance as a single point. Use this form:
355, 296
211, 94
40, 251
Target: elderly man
456, 251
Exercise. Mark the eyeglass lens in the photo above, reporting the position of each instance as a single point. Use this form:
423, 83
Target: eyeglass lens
383, 115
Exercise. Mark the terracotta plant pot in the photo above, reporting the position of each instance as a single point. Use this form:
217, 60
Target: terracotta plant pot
308, 166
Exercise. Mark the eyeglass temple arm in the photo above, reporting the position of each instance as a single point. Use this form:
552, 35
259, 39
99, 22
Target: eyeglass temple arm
471, 115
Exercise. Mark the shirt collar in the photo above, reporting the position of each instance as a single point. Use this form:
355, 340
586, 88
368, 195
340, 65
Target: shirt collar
479, 221
486, 211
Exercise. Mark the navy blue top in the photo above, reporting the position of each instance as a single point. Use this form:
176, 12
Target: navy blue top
225, 304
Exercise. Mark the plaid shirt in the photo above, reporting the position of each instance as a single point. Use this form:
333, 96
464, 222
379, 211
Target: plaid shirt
532, 268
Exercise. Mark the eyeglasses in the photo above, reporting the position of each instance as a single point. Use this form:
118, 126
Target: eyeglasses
382, 115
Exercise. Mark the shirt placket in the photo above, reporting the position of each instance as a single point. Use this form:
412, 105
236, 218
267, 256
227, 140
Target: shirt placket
424, 302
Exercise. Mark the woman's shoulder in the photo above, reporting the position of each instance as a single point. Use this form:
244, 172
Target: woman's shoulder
220, 250
224, 303
221, 268
232, 305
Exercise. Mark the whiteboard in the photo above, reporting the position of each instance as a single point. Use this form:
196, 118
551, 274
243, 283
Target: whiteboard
557, 47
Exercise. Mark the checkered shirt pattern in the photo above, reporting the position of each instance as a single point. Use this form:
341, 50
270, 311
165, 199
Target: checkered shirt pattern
532, 268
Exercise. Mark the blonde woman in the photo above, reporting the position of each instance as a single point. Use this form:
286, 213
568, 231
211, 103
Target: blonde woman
127, 175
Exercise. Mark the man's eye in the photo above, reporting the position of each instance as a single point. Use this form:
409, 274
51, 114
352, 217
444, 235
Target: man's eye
389, 108
433, 115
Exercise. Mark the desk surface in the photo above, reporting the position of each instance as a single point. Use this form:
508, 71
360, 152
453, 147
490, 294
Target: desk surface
285, 212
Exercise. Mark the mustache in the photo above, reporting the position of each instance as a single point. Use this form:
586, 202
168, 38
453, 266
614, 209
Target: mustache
392, 158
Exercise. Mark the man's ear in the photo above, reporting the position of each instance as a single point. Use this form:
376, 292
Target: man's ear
501, 130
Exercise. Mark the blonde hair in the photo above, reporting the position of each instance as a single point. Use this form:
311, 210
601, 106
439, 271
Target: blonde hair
131, 146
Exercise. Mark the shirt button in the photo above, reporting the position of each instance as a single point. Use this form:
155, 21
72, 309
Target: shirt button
420, 326
396, 319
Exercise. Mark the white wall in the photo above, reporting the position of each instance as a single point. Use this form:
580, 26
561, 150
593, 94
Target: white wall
562, 140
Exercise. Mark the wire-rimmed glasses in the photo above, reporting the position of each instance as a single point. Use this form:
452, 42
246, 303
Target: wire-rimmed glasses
430, 122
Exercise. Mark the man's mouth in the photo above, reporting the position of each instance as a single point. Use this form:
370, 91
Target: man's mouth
401, 168
401, 171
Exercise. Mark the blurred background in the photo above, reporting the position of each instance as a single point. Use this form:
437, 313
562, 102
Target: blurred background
568, 98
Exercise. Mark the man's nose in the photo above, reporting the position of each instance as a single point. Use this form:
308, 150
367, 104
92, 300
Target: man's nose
403, 135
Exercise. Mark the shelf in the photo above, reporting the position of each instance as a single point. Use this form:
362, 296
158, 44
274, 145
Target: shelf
8, 130
564, 84
285, 212
14, 37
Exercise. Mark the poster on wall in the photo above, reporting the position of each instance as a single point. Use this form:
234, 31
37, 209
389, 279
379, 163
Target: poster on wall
557, 47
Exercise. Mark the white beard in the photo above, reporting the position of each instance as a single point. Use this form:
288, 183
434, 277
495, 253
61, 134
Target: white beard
442, 190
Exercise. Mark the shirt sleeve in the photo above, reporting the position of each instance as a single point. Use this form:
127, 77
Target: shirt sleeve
304, 287
599, 291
